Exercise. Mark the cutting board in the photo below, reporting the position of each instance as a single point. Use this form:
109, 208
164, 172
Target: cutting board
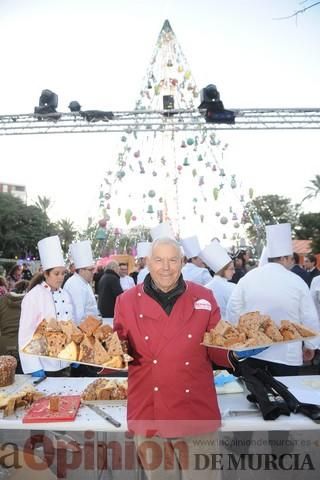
40, 411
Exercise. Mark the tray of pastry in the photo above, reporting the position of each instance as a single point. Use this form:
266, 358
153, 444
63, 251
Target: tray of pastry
90, 343
104, 391
255, 330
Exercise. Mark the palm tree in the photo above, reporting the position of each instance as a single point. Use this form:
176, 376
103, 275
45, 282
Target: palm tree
44, 203
66, 232
314, 188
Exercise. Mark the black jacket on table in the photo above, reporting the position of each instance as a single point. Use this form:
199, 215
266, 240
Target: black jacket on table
108, 290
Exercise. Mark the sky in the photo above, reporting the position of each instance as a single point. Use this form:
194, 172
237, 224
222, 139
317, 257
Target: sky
98, 51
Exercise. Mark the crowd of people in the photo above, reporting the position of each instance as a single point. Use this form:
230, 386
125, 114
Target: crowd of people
177, 293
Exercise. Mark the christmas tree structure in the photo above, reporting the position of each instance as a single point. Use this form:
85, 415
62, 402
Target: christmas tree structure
171, 174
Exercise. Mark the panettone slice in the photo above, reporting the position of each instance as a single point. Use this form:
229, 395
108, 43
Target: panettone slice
86, 353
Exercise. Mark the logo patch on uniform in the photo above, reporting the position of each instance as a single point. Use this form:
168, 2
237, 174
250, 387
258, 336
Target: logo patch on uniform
202, 304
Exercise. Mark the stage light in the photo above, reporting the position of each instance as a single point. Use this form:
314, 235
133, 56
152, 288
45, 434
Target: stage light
74, 106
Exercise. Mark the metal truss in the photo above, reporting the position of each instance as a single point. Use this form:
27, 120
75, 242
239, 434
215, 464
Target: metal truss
162, 121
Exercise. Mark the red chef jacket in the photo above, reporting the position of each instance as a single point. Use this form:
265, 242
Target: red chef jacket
170, 381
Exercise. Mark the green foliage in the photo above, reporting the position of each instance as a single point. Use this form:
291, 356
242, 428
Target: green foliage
309, 229
21, 227
268, 210
313, 188
67, 233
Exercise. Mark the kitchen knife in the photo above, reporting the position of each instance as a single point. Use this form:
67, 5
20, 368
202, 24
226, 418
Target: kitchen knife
38, 380
104, 415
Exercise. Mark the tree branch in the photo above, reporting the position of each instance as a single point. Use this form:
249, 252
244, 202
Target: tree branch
295, 14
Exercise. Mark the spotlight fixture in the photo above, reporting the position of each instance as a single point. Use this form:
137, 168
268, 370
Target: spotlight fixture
214, 111
74, 106
48, 103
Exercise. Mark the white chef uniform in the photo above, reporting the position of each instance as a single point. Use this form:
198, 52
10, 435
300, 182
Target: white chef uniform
80, 291
222, 290
142, 274
126, 282
38, 304
315, 293
82, 297
273, 290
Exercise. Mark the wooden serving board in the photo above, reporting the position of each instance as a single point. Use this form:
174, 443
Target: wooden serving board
40, 411
252, 347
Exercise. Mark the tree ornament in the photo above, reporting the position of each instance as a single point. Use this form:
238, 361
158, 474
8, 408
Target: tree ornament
201, 181
234, 216
236, 224
180, 68
218, 214
222, 174
101, 234
157, 89
123, 138
223, 220
194, 172
215, 193
137, 154
186, 162
120, 174
233, 183
133, 218
214, 167
107, 196
102, 223
187, 75
179, 168
201, 218
169, 63
150, 209
200, 158
128, 215
151, 193
250, 192
183, 144
154, 173
190, 141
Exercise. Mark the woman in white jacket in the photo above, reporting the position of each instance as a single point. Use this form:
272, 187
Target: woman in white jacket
44, 300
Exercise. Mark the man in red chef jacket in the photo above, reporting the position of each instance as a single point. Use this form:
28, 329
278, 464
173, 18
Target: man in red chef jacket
172, 403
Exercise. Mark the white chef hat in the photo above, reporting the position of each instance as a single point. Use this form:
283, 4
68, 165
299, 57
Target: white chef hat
191, 246
215, 256
279, 241
81, 254
143, 249
50, 251
163, 230
263, 257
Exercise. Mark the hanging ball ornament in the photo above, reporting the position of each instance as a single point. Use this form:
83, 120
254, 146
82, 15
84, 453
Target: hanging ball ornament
107, 196
179, 168
190, 141
223, 220
151, 193
128, 216
102, 223
218, 214
236, 224
120, 174
133, 218
154, 173
137, 154
123, 138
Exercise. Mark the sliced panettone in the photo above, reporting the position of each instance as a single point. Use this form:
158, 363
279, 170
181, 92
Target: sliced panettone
77, 335
115, 361
103, 332
100, 353
114, 346
289, 331
53, 325
86, 353
250, 322
303, 330
56, 342
271, 329
260, 338
89, 325
37, 346
67, 328
41, 329
70, 352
